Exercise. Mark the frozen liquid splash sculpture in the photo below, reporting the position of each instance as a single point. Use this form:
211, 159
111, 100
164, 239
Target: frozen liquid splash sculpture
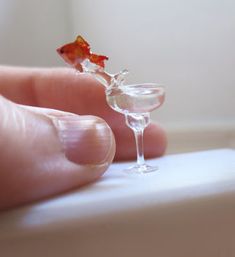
134, 101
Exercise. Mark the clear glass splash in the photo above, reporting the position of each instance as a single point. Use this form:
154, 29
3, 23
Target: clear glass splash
105, 78
134, 101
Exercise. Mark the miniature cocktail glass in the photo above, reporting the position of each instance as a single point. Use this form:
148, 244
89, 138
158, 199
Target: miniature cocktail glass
135, 102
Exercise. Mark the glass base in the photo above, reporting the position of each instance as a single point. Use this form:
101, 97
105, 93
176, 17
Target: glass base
141, 169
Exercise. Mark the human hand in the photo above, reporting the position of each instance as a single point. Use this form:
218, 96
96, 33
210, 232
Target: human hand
49, 150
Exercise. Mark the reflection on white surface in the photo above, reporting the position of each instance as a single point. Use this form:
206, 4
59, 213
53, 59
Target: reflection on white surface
175, 172
185, 209
180, 178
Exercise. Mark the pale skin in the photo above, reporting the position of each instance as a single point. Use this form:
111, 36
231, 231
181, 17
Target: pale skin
57, 133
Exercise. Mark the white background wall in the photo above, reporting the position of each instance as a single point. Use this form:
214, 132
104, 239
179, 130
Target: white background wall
188, 45
30, 30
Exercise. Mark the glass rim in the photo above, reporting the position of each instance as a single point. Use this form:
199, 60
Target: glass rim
150, 84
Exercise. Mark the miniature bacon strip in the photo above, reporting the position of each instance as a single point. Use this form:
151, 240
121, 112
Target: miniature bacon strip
76, 52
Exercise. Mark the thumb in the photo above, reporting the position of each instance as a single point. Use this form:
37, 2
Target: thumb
45, 152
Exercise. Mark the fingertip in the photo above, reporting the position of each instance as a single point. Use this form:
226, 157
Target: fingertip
50, 163
155, 140
85, 139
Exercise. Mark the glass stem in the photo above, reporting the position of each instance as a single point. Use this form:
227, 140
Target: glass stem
138, 122
139, 146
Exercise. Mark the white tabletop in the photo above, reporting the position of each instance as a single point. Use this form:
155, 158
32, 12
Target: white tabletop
188, 192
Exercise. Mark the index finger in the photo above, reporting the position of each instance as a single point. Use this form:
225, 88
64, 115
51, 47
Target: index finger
66, 90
